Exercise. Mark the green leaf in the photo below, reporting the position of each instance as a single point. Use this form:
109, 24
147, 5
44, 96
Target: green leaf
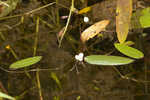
107, 60
129, 43
25, 62
145, 18
129, 51
3, 95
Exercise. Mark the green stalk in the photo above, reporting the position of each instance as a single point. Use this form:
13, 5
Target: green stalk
36, 36
70, 13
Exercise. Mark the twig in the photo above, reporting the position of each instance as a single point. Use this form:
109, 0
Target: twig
129, 78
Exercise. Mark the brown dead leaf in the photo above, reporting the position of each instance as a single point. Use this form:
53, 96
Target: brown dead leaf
93, 30
123, 18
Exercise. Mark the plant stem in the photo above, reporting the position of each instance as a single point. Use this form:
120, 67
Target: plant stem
39, 85
36, 36
70, 13
27, 13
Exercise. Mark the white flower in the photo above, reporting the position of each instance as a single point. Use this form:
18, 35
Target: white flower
79, 57
86, 19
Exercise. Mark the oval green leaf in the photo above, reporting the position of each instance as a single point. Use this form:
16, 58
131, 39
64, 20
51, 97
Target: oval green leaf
129, 51
144, 19
107, 60
25, 62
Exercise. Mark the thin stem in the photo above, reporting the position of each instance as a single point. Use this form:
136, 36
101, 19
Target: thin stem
126, 77
39, 85
32, 70
35, 10
2, 36
27, 13
14, 54
36, 37
57, 13
70, 13
12, 51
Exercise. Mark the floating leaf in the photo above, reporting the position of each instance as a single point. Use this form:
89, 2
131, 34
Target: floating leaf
145, 18
129, 51
107, 60
84, 10
93, 30
3, 95
25, 62
124, 13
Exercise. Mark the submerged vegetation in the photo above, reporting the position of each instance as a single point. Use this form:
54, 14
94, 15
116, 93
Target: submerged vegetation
74, 49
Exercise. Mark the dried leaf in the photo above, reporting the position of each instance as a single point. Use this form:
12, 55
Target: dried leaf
124, 13
93, 30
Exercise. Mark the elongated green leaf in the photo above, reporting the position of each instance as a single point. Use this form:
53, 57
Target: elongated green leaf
3, 95
107, 60
145, 18
25, 62
129, 51
124, 13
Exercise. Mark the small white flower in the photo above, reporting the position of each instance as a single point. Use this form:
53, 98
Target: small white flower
86, 19
79, 57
